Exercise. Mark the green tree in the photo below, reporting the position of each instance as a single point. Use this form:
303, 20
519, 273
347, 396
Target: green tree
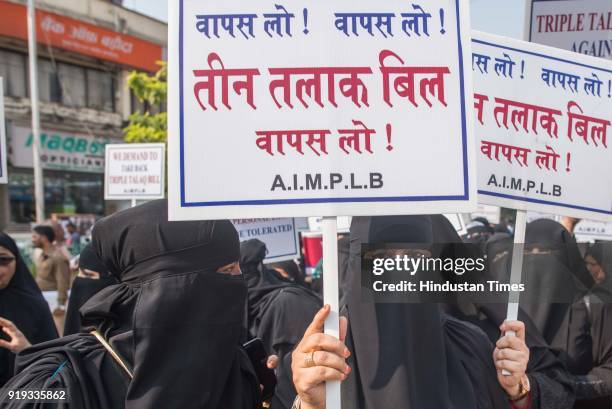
151, 90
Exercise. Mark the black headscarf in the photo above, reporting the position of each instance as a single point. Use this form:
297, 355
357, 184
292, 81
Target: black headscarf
278, 313
22, 303
555, 277
478, 232
173, 319
264, 288
291, 268
83, 288
411, 355
595, 387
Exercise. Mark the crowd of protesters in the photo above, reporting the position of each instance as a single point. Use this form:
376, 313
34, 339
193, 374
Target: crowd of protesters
163, 314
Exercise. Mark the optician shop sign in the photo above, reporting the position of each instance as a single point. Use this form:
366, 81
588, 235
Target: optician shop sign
60, 150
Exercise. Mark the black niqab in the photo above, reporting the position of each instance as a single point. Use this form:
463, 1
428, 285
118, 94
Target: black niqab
83, 288
411, 355
555, 277
173, 319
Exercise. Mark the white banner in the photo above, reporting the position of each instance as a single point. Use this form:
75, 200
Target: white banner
134, 171
280, 236
3, 150
319, 109
583, 26
542, 118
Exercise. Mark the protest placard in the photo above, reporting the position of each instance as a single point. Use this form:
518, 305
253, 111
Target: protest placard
542, 116
3, 150
280, 236
134, 171
333, 108
583, 26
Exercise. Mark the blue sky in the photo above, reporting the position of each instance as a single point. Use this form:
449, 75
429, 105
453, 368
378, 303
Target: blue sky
503, 17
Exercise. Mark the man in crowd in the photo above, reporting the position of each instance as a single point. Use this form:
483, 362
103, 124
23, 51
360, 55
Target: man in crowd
52, 270
74, 239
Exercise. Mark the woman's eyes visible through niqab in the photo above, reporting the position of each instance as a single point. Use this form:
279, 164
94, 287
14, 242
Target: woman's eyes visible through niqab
231, 269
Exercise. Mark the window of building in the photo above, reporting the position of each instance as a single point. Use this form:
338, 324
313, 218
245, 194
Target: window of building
74, 86
13, 71
100, 90
60, 83
49, 89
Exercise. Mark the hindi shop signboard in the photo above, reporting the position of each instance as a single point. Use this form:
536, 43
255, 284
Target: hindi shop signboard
319, 109
134, 171
3, 150
280, 236
583, 26
542, 118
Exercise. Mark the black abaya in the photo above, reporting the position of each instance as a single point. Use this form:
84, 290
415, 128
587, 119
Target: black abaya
278, 313
411, 355
22, 303
174, 321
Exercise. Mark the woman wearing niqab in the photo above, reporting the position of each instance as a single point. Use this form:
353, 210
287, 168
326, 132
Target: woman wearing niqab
83, 288
173, 322
551, 385
596, 382
411, 355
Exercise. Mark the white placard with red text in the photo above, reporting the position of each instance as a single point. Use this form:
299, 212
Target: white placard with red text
543, 124
134, 171
583, 26
331, 108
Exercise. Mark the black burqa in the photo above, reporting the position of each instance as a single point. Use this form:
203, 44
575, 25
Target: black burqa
411, 355
173, 319
83, 288
22, 303
552, 387
555, 278
278, 313
598, 380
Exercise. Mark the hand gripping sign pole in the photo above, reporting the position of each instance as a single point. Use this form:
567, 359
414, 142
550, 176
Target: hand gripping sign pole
330, 296
520, 225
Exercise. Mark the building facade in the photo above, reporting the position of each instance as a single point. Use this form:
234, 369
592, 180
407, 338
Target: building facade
86, 49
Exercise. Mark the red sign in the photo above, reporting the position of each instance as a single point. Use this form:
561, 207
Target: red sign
79, 37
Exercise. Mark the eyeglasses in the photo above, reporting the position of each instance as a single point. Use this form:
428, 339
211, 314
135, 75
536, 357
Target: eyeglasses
6, 260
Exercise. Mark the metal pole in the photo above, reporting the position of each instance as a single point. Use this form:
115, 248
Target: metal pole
39, 195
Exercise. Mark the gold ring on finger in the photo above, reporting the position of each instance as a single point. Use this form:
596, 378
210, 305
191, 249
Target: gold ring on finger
309, 360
